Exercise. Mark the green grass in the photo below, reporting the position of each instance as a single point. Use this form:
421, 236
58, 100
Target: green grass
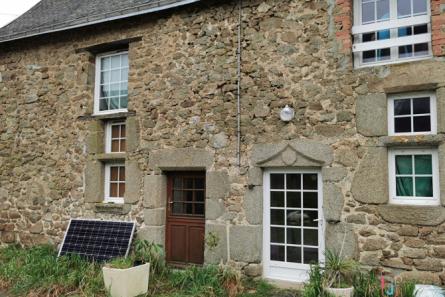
38, 272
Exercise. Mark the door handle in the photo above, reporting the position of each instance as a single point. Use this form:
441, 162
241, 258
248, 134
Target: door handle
170, 202
318, 220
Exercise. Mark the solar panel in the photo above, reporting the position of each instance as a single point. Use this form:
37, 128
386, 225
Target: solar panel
97, 240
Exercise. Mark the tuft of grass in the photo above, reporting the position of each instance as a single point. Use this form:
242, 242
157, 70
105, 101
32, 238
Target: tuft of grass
121, 263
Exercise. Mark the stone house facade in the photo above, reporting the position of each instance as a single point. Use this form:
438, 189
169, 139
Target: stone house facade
169, 114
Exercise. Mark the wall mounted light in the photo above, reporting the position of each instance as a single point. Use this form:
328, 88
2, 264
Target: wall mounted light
287, 114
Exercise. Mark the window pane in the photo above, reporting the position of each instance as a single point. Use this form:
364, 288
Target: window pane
114, 173
422, 124
115, 61
124, 89
309, 218
383, 54
367, 37
124, 60
121, 190
199, 183
277, 235
368, 56
277, 253
421, 49
310, 237
103, 104
402, 106
383, 34
310, 181
277, 181
404, 165
104, 91
310, 200
419, 6
405, 31
114, 90
294, 218
178, 208
293, 236
404, 186
421, 29
423, 164
122, 173
115, 146
405, 51
424, 186
105, 77
277, 199
177, 195
199, 195
383, 10
177, 182
188, 183
188, 196
403, 8
402, 125
113, 190
124, 102
199, 209
124, 74
294, 199
294, 254
115, 131
105, 63
277, 217
310, 255
368, 12
115, 76
293, 181
421, 105
114, 103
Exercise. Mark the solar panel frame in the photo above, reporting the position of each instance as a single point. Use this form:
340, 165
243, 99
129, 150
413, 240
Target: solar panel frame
133, 223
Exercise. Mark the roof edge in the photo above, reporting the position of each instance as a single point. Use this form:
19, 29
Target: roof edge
153, 9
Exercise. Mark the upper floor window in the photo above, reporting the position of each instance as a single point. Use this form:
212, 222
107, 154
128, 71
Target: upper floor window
412, 114
111, 90
115, 137
114, 183
388, 31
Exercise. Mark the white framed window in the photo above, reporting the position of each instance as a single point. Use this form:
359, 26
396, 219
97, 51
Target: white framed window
111, 83
412, 114
391, 31
414, 176
114, 183
115, 137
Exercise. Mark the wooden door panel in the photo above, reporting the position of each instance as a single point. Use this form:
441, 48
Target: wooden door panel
178, 247
196, 246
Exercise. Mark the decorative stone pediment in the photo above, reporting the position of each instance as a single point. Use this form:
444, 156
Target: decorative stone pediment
297, 153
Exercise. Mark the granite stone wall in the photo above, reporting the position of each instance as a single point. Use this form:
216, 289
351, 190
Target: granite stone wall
183, 114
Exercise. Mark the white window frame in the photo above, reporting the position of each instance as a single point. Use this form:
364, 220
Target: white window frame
413, 95
393, 42
107, 198
97, 83
108, 134
393, 198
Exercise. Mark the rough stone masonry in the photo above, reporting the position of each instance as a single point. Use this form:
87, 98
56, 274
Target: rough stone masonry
183, 114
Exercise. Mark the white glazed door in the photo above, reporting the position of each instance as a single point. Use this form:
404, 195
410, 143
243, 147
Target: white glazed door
293, 231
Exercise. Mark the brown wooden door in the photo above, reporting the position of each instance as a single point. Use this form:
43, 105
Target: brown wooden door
185, 218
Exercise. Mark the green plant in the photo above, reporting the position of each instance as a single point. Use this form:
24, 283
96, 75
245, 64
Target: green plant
339, 271
230, 279
198, 281
212, 240
148, 252
315, 286
121, 263
407, 289
366, 285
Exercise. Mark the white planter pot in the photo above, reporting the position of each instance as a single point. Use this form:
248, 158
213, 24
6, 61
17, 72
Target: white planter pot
129, 282
341, 292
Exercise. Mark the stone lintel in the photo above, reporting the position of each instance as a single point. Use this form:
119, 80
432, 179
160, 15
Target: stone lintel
415, 140
112, 208
181, 159
155, 191
409, 88
412, 215
106, 117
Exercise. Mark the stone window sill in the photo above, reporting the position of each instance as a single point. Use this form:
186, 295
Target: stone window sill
412, 215
104, 117
111, 157
112, 208
411, 140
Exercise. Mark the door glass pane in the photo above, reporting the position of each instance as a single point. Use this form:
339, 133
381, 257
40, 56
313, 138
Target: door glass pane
277, 181
277, 235
403, 8
293, 199
404, 165
310, 237
178, 208
199, 208
419, 6
368, 12
177, 182
188, 196
404, 186
310, 255
422, 124
293, 181
402, 107
277, 253
309, 217
199, 183
199, 195
188, 183
310, 200
177, 196
424, 186
423, 164
277, 199
294, 254
294, 218
277, 217
293, 235
310, 181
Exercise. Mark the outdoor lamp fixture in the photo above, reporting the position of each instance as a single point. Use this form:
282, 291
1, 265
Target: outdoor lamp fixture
287, 114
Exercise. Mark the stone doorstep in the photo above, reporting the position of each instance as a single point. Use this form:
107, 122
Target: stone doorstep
283, 284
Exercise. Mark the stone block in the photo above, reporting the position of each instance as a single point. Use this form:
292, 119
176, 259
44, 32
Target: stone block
217, 185
395, 263
441, 152
372, 174
374, 243
36, 228
253, 205
342, 237
412, 215
333, 202
253, 270
181, 159
255, 176
414, 253
420, 277
132, 182
8, 237
371, 114
214, 209
95, 138
246, 243
132, 130
94, 181
333, 174
428, 264
440, 97
112, 208
218, 253
154, 217
155, 191
370, 258
154, 234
